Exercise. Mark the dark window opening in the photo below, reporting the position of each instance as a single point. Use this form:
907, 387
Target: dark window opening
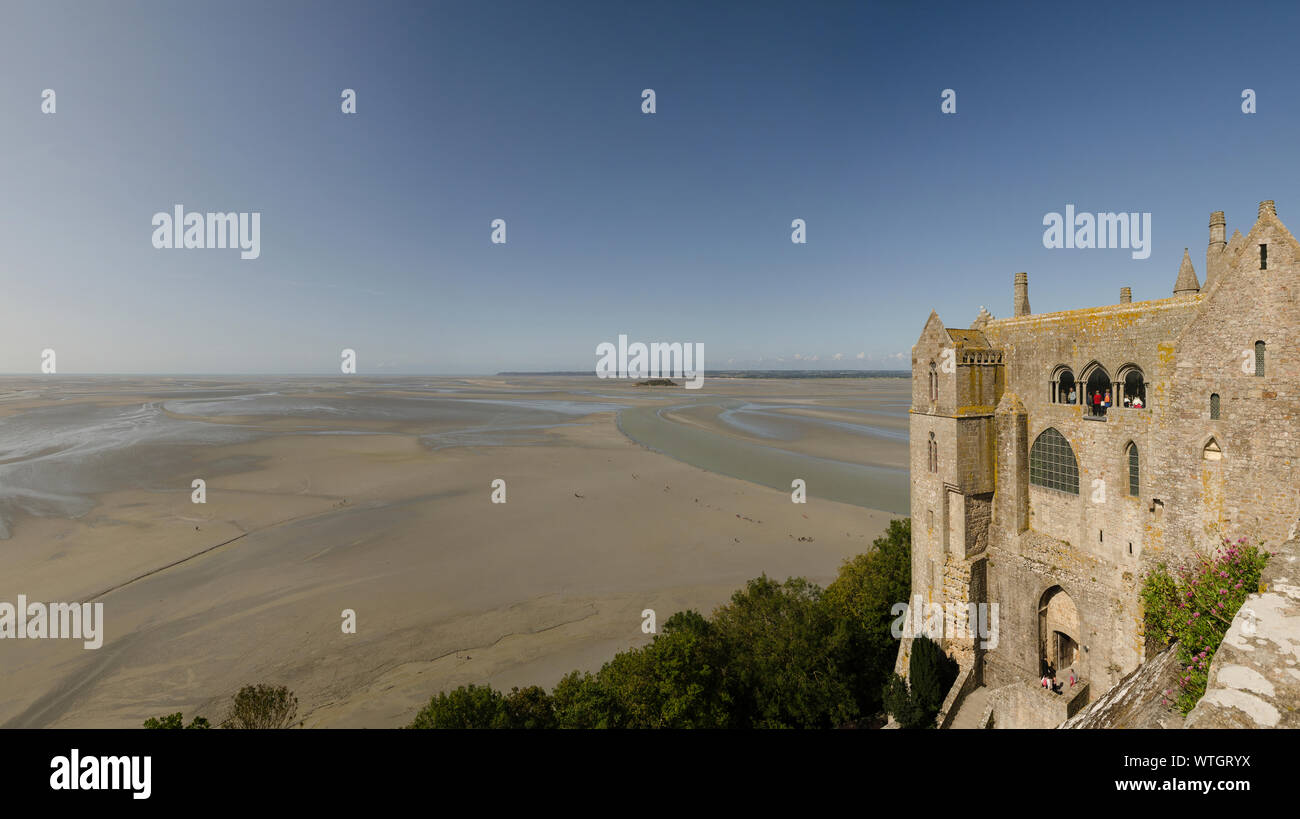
1097, 397
1214, 407
1064, 389
1263, 257
1259, 358
1135, 389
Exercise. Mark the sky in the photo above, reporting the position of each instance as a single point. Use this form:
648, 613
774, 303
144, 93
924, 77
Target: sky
375, 227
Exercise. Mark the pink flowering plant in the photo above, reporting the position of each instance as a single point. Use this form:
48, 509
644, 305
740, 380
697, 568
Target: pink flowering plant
1194, 604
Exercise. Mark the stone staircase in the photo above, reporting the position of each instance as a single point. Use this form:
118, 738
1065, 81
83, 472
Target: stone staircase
972, 708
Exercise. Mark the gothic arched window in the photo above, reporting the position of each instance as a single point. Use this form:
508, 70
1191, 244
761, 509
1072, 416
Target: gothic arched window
1259, 358
1214, 407
1133, 474
1052, 463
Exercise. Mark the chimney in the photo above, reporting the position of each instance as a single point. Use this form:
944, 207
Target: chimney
1022, 294
1268, 207
1125, 295
1213, 255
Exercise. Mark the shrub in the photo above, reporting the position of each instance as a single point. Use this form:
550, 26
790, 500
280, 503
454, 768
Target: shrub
262, 706
1194, 605
172, 721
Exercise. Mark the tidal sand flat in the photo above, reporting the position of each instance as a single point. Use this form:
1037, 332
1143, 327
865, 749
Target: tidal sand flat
375, 495
850, 454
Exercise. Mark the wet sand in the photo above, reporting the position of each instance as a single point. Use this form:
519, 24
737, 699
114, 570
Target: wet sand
375, 496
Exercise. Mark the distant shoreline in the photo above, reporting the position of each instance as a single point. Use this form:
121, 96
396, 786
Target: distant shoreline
753, 373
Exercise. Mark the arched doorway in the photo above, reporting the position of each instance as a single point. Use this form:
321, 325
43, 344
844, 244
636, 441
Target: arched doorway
1058, 630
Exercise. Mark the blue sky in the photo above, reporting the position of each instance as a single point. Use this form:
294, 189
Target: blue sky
666, 227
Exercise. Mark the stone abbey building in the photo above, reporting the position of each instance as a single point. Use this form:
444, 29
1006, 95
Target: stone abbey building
1029, 495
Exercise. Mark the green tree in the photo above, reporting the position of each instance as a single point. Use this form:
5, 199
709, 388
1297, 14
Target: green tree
674, 682
529, 707
580, 701
469, 706
780, 671
861, 601
932, 674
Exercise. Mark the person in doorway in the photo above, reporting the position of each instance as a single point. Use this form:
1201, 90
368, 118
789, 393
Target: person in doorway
1105, 402
1137, 403
1096, 403
1073, 396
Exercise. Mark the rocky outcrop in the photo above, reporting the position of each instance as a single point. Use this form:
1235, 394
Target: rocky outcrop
1137, 701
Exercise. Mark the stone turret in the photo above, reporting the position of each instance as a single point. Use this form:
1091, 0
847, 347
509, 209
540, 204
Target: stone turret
1021, 294
1187, 283
1214, 254
1125, 295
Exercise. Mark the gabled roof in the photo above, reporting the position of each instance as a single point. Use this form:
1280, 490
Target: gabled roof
971, 338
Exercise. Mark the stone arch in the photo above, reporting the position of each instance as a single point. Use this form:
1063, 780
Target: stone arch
1058, 630
1131, 386
1063, 381
1096, 382
1211, 451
